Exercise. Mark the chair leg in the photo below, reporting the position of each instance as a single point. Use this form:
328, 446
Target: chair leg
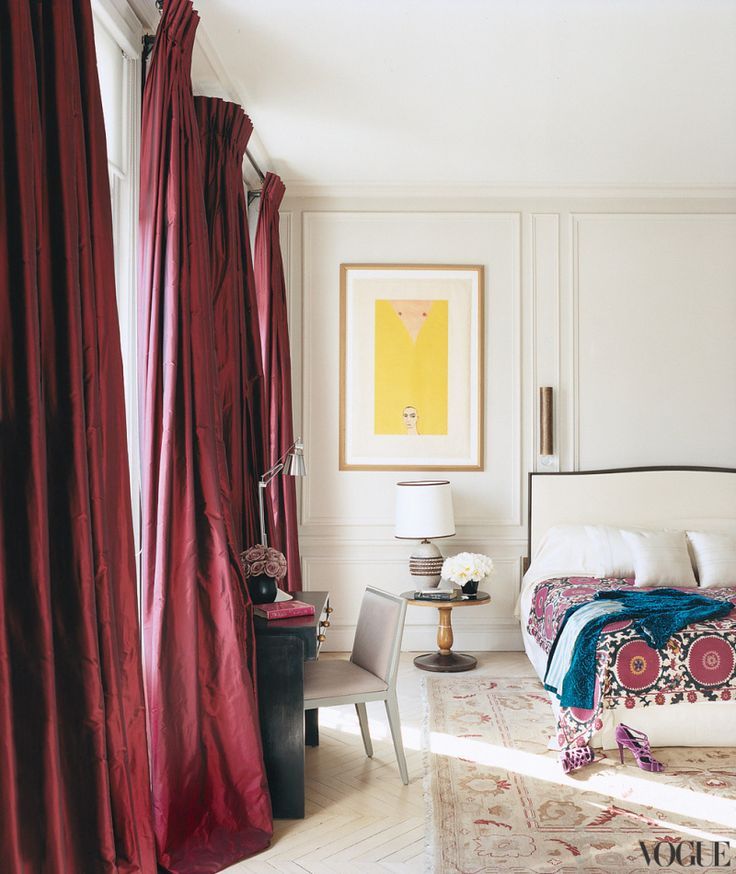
394, 721
364, 729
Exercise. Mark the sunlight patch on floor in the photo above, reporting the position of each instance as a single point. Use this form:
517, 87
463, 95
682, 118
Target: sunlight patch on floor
677, 828
605, 780
612, 780
347, 723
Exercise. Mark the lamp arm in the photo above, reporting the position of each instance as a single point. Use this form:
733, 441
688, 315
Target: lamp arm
271, 473
261, 515
278, 466
266, 478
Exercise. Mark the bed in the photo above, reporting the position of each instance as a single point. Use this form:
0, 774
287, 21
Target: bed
682, 695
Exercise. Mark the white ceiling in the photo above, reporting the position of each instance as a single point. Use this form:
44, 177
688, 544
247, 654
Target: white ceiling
489, 93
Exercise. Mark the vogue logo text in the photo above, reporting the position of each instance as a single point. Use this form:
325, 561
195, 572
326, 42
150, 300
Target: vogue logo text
686, 854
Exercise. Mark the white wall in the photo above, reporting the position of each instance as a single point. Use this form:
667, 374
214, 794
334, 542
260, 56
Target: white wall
627, 306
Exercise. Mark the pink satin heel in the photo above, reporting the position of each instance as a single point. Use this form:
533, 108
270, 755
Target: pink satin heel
638, 743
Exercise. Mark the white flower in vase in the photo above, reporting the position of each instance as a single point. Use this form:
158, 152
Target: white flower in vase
467, 570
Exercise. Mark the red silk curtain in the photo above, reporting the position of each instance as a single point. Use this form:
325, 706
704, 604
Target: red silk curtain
225, 130
74, 780
273, 319
211, 803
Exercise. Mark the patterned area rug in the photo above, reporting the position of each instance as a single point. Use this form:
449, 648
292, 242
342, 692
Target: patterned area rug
498, 800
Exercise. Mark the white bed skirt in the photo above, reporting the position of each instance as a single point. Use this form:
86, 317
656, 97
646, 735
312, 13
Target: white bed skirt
697, 724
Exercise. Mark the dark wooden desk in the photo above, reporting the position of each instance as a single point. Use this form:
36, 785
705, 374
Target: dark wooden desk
282, 645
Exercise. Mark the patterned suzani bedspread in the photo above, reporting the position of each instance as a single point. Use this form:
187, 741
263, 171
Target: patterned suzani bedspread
698, 663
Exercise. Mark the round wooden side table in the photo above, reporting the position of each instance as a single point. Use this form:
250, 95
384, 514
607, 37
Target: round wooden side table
446, 660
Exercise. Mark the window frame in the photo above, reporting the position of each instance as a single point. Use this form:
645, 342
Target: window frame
118, 20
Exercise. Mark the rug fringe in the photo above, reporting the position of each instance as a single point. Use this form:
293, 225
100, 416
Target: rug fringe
429, 820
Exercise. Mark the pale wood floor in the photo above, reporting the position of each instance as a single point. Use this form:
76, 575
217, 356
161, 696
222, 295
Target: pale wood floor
360, 817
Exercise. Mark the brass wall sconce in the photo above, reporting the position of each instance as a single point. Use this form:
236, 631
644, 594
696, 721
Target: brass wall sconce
546, 419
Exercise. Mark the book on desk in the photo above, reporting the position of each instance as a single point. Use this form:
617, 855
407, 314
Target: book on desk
284, 609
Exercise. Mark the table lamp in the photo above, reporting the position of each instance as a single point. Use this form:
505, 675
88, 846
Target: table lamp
291, 463
424, 512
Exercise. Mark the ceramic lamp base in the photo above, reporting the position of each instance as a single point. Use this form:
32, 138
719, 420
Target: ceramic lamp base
425, 565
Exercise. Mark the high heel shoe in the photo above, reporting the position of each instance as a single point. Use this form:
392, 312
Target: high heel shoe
574, 759
638, 743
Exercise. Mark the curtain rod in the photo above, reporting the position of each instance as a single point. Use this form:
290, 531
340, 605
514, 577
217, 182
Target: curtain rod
255, 193
255, 166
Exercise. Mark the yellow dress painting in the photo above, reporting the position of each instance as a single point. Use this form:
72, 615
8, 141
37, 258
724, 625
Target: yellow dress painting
411, 379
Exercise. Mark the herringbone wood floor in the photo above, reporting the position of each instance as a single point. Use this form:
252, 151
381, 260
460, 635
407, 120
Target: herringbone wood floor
360, 817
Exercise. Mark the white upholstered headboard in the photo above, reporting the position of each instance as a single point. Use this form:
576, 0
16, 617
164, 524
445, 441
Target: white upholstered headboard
695, 498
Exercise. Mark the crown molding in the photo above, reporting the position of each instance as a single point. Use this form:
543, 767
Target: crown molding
144, 10
296, 188
119, 18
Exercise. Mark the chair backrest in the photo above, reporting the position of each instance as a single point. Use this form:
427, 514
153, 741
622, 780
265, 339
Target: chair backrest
377, 643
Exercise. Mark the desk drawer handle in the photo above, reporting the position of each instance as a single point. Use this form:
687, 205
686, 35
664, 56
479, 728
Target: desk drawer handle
329, 610
324, 623
321, 637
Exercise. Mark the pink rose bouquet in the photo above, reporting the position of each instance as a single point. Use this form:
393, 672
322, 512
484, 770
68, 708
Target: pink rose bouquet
261, 559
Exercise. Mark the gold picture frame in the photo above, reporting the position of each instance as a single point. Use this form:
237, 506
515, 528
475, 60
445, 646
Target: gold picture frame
411, 367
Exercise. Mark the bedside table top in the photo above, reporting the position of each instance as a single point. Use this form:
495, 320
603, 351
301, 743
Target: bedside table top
462, 601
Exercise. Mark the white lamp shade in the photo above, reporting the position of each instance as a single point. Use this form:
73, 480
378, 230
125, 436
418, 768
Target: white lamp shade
424, 510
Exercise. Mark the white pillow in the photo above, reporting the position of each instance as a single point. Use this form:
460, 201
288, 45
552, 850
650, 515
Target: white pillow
660, 558
563, 551
715, 557
613, 552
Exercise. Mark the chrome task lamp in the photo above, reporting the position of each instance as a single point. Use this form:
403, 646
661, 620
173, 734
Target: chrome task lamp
291, 463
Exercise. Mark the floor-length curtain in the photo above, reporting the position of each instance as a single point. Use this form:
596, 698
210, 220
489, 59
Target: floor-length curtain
225, 130
211, 803
74, 780
273, 320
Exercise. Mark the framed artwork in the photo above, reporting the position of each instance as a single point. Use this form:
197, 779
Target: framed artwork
411, 367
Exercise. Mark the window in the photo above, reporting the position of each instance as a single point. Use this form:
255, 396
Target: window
117, 42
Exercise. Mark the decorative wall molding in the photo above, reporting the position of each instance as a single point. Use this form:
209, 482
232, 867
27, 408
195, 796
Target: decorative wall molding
474, 629
461, 522
575, 297
543, 309
453, 191
381, 535
545, 317
392, 558
122, 23
499, 635
353, 551
309, 518
287, 254
578, 221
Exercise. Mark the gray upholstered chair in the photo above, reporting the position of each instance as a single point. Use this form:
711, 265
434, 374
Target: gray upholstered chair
369, 674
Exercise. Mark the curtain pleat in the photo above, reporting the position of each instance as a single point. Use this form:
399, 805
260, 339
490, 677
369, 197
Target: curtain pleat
225, 130
274, 326
211, 803
74, 778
